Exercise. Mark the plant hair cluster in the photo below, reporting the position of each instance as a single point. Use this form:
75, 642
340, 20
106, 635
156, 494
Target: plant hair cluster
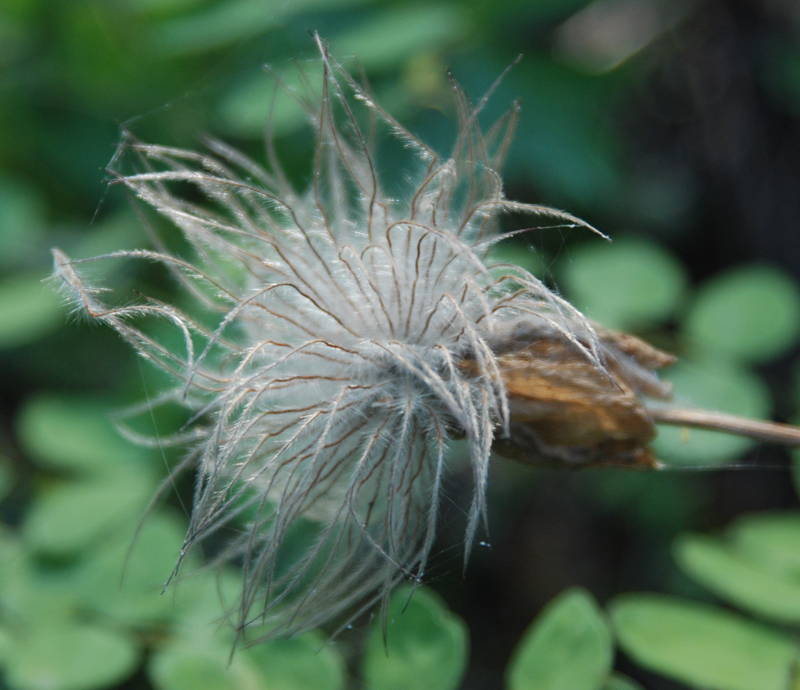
321, 360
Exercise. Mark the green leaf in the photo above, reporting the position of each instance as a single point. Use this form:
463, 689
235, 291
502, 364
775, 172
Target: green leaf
426, 645
256, 101
710, 385
772, 539
213, 27
737, 579
70, 656
397, 33
29, 309
624, 285
6, 645
28, 591
300, 663
391, 37
22, 212
750, 314
217, 25
702, 646
203, 665
125, 580
73, 516
68, 433
204, 597
568, 647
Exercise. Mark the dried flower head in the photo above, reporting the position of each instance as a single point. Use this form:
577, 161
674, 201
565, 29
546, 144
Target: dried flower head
342, 337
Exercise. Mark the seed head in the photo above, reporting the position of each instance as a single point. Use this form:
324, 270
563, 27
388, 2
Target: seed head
340, 338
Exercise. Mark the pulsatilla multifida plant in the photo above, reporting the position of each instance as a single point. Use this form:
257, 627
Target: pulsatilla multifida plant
342, 336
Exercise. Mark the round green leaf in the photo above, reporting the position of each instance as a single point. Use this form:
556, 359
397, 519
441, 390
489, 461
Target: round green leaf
426, 645
125, 580
29, 591
204, 597
750, 313
702, 646
568, 647
29, 308
203, 665
300, 663
73, 516
74, 434
717, 386
67, 655
624, 285
772, 539
737, 579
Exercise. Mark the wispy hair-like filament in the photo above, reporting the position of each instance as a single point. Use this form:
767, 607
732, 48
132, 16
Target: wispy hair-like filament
322, 359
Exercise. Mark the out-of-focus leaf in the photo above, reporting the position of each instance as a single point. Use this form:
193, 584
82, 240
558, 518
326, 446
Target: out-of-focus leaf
750, 313
221, 24
74, 434
29, 592
397, 33
6, 644
29, 309
204, 597
115, 233
568, 647
124, 582
214, 26
74, 516
426, 645
70, 656
737, 579
624, 285
258, 102
196, 665
160, 7
771, 539
389, 38
22, 214
702, 646
300, 663
711, 385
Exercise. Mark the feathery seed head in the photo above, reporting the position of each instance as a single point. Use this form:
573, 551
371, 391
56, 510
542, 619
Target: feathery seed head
326, 358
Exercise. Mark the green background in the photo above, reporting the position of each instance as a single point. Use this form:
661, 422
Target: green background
674, 128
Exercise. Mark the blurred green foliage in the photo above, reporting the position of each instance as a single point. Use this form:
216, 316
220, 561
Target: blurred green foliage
80, 587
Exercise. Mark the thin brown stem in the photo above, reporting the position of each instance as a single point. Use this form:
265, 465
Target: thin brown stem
768, 432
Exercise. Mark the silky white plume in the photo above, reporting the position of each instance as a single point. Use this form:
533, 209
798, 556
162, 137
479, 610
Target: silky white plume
323, 358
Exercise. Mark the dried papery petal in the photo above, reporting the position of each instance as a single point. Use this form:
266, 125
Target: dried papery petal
340, 337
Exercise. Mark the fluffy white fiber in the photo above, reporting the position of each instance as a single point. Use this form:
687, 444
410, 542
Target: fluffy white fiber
323, 359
